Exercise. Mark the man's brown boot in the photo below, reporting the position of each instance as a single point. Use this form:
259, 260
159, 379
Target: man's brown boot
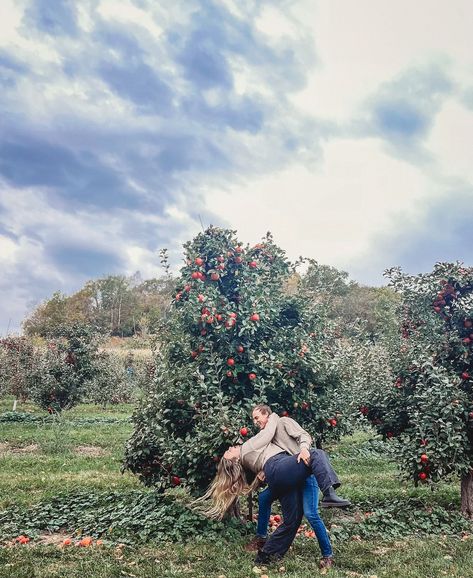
256, 544
326, 563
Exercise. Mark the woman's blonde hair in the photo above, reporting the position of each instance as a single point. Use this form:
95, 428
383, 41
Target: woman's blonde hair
228, 485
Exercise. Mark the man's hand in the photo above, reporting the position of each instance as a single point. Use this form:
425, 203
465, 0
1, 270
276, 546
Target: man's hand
261, 476
304, 456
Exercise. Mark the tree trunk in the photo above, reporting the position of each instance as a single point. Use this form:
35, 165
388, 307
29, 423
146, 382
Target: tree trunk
467, 495
250, 507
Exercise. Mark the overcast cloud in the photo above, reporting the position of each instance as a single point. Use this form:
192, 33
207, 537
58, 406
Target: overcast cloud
344, 128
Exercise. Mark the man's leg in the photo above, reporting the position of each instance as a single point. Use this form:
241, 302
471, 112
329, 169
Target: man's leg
310, 501
279, 542
327, 480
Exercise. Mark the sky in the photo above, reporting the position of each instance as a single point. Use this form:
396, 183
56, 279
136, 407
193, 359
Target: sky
344, 128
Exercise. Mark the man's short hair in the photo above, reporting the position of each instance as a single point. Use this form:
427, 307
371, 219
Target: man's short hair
263, 408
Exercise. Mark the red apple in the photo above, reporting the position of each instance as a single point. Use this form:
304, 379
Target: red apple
424, 458
199, 262
218, 317
254, 317
465, 375
215, 276
187, 288
240, 348
239, 249
284, 413
389, 434
423, 476
238, 260
230, 361
232, 315
244, 431
195, 275
175, 480
252, 376
201, 298
220, 258
253, 264
229, 373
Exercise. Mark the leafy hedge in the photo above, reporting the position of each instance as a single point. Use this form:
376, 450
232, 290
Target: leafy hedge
25, 417
140, 516
400, 518
133, 516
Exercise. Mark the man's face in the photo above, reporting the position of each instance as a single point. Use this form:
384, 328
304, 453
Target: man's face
260, 419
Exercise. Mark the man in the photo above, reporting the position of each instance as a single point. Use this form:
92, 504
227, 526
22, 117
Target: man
293, 439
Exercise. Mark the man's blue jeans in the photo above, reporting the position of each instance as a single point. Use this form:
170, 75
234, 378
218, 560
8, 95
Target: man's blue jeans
310, 501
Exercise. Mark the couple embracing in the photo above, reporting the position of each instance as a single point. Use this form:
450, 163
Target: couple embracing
280, 455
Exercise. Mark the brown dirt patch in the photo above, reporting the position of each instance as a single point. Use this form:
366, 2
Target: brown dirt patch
55, 539
90, 451
6, 448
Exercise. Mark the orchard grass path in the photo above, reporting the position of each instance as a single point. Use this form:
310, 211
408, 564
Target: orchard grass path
394, 530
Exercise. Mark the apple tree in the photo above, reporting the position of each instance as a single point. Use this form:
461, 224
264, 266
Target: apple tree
427, 410
235, 336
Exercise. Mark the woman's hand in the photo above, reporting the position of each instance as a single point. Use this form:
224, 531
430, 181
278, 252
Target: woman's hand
260, 475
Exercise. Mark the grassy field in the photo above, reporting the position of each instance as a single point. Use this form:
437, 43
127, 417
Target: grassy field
40, 461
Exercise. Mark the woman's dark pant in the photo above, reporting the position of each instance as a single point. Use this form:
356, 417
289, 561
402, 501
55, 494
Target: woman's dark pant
285, 478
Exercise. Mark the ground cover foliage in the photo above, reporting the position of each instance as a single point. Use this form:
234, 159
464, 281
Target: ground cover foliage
389, 532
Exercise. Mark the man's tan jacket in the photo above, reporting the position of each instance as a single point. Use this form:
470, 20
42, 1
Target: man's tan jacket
281, 434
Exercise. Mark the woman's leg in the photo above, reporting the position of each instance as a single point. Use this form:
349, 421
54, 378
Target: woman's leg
285, 478
284, 474
265, 499
310, 501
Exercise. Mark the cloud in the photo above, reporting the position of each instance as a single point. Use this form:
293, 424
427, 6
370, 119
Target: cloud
403, 110
127, 124
55, 18
442, 232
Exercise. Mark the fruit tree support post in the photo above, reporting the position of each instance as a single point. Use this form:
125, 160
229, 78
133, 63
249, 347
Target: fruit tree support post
467, 495
250, 507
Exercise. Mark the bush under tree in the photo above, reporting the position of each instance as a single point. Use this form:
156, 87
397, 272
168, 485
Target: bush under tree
427, 410
234, 337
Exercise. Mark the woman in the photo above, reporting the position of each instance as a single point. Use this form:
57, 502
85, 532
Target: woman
285, 476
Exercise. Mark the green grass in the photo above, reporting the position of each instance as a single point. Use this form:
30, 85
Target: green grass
407, 559
121, 410
41, 461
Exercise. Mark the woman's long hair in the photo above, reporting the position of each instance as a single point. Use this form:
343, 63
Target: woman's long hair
228, 485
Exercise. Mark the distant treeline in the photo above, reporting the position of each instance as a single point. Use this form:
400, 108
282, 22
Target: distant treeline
123, 306
113, 305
